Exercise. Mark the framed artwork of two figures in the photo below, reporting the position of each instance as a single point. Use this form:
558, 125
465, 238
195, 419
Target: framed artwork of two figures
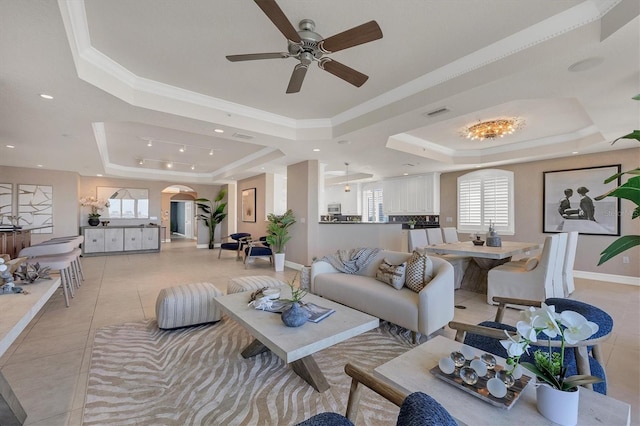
570, 205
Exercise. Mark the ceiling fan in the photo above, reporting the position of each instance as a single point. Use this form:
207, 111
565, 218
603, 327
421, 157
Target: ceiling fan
308, 46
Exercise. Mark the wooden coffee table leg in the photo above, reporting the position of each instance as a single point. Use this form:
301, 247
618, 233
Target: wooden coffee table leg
308, 369
254, 348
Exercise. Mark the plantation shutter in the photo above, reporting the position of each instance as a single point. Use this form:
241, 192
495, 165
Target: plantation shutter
469, 204
485, 197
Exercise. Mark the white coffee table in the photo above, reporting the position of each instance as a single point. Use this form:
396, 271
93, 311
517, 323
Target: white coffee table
410, 372
296, 345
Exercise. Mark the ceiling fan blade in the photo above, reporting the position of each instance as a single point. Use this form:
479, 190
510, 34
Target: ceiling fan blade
254, 56
344, 72
355, 36
279, 19
297, 77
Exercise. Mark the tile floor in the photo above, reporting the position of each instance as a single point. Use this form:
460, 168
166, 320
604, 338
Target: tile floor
48, 365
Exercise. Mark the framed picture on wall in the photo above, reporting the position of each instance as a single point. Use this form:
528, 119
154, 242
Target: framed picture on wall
569, 201
35, 207
249, 205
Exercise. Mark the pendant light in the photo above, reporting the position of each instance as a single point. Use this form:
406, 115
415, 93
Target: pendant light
347, 188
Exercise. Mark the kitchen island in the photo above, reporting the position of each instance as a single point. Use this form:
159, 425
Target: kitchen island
343, 235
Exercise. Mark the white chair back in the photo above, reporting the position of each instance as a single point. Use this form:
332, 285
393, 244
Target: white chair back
450, 235
569, 260
558, 286
417, 239
434, 235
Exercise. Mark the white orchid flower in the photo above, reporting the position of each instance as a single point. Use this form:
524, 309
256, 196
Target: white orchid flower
515, 347
527, 331
577, 327
547, 321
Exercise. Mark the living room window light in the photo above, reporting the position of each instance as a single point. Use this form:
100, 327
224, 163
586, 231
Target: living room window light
486, 196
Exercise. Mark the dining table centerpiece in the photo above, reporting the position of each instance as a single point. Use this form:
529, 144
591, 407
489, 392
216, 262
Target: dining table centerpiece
96, 205
557, 394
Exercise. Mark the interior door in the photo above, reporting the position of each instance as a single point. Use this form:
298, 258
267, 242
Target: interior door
188, 219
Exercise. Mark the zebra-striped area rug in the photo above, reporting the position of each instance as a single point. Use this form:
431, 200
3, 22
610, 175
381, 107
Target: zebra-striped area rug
140, 375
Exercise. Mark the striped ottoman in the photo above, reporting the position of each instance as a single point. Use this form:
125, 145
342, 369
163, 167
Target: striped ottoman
242, 284
188, 304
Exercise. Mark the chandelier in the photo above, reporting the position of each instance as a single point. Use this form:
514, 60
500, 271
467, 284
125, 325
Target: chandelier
493, 129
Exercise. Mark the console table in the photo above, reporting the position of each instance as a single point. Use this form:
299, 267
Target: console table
104, 240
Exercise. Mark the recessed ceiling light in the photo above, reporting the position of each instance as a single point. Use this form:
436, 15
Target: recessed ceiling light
99, 175
45, 96
405, 174
574, 152
193, 167
39, 165
316, 149
219, 131
169, 165
10, 146
211, 152
149, 142
183, 148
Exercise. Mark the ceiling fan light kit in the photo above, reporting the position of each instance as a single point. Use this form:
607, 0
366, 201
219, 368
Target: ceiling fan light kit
307, 46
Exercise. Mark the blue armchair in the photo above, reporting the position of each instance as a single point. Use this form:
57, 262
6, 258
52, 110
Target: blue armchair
236, 244
415, 409
586, 356
258, 248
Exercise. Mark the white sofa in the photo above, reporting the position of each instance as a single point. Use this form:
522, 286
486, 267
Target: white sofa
423, 312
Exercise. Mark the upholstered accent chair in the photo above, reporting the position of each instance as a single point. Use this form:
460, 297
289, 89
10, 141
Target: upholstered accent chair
584, 357
234, 242
259, 249
417, 408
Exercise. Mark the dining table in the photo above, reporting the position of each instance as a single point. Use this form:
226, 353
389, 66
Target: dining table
483, 258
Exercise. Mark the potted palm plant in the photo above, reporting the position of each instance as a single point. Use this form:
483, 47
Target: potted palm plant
212, 213
278, 235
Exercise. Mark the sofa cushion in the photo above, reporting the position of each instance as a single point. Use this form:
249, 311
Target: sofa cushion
391, 274
419, 271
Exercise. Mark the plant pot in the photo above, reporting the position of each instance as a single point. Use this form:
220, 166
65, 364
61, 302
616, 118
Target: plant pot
560, 407
295, 316
279, 261
94, 221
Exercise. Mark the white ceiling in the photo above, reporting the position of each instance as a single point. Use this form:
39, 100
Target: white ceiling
123, 72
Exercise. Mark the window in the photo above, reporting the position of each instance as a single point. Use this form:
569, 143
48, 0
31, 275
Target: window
485, 197
372, 205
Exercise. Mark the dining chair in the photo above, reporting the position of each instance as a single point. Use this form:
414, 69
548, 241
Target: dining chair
450, 235
558, 286
531, 280
416, 408
235, 242
459, 263
417, 239
569, 259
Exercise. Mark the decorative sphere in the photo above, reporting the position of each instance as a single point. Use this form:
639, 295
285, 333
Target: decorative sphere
467, 351
469, 375
458, 358
506, 378
446, 365
480, 367
489, 360
496, 387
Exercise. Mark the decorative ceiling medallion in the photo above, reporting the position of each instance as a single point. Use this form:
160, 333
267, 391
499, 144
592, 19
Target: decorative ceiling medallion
493, 128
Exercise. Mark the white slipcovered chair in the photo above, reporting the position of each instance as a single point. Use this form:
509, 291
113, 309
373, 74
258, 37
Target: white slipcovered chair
569, 260
450, 235
417, 239
459, 263
532, 280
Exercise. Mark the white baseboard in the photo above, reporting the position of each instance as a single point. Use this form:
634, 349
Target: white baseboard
618, 279
293, 265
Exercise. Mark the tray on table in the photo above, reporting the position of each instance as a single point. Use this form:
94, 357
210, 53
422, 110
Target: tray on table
479, 389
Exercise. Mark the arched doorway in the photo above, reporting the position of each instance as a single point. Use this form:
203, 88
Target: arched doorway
179, 213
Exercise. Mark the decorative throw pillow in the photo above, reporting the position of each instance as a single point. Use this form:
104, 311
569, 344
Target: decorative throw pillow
391, 274
419, 271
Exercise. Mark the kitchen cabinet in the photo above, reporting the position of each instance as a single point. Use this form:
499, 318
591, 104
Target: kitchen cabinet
412, 195
120, 240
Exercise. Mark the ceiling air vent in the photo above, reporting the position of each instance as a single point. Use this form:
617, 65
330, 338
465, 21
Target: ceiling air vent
436, 112
241, 136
